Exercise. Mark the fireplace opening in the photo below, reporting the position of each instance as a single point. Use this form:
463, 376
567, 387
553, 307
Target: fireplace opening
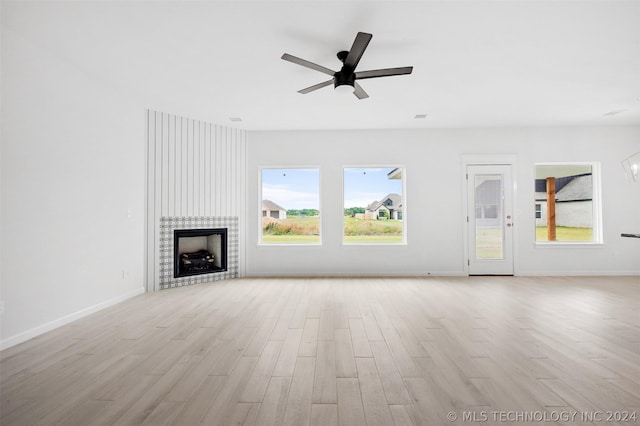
199, 251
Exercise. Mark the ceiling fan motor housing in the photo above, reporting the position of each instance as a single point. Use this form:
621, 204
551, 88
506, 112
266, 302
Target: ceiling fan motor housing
344, 78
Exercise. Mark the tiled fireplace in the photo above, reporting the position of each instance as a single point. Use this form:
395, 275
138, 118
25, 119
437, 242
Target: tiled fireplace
203, 239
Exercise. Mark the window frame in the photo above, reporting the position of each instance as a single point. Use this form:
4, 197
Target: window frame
596, 208
404, 204
260, 216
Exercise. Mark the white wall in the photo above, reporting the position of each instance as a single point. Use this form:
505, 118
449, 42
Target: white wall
72, 191
435, 240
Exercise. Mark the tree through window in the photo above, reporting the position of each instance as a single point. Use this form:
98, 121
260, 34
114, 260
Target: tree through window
566, 202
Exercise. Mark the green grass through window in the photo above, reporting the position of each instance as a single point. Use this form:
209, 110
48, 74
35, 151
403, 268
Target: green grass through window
564, 233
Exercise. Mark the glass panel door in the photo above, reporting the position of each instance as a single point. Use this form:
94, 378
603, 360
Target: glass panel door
488, 207
490, 221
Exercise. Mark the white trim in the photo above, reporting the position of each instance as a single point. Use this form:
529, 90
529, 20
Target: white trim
41, 329
416, 274
569, 273
565, 244
297, 244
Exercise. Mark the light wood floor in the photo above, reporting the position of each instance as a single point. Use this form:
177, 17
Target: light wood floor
338, 351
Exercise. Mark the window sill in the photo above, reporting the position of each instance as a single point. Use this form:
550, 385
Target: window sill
290, 244
568, 244
403, 243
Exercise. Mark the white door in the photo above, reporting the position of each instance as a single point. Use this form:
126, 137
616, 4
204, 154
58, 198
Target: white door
490, 219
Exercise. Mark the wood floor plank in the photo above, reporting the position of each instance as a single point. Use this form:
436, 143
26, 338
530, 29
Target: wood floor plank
324, 385
324, 415
190, 381
459, 391
400, 415
409, 339
335, 351
300, 313
350, 409
84, 413
287, 358
405, 363
345, 360
197, 406
254, 348
282, 325
135, 388
393, 385
326, 328
359, 338
272, 408
163, 414
240, 413
230, 352
428, 406
309, 342
147, 403
259, 380
298, 409
374, 402
223, 407
371, 326
340, 319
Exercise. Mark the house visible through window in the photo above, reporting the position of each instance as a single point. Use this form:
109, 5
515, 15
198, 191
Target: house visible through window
566, 203
374, 205
290, 203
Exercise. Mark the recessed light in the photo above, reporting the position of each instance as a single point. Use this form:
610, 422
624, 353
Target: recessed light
420, 116
235, 118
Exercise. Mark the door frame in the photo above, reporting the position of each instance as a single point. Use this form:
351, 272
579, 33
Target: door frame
489, 160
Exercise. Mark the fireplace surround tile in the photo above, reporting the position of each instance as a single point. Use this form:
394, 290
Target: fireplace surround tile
170, 224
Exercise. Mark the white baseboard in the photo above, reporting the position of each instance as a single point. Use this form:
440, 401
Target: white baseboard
577, 273
41, 329
356, 274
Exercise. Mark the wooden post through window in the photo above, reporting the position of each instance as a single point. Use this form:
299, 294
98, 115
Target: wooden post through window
551, 209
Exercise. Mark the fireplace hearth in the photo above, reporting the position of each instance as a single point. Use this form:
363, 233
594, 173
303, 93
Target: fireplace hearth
199, 251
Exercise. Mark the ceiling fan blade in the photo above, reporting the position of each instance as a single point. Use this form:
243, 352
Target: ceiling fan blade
359, 91
359, 45
316, 86
387, 72
307, 64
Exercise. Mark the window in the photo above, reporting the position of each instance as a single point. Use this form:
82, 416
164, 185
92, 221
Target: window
374, 205
290, 203
567, 204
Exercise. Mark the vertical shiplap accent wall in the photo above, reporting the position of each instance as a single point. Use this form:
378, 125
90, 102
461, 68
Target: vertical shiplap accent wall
194, 168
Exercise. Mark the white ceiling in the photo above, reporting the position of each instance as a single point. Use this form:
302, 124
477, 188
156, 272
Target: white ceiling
476, 63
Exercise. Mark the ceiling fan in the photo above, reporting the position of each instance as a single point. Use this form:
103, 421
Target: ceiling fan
345, 79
